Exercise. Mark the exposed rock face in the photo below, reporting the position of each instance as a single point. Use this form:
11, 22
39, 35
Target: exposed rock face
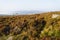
10, 38
55, 15
16, 30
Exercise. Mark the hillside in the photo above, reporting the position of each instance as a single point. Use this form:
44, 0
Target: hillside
45, 26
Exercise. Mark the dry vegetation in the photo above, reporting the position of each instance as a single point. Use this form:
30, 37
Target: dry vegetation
30, 27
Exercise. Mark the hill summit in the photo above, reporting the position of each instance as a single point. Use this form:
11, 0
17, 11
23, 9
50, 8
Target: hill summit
44, 26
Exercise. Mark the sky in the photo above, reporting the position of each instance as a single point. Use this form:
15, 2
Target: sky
7, 6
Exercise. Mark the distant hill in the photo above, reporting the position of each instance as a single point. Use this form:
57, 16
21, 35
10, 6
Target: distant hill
24, 12
29, 12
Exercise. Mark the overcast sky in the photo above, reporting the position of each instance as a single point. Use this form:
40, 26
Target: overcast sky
7, 6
